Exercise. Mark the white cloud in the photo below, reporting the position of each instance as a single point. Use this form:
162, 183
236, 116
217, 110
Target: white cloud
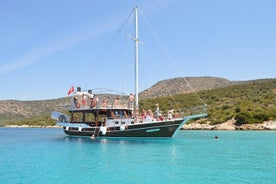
37, 54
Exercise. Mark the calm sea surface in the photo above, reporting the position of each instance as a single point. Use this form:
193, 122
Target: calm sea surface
47, 156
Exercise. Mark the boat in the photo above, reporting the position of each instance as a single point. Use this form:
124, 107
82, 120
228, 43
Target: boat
104, 116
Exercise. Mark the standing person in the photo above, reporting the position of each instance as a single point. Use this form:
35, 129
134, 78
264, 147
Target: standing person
93, 103
116, 102
157, 112
104, 103
83, 101
96, 98
76, 102
170, 114
131, 101
149, 115
144, 114
136, 116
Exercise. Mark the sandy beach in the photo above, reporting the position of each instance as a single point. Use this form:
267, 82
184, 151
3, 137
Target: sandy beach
230, 125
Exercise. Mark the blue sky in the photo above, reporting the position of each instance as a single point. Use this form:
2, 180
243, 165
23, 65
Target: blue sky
48, 46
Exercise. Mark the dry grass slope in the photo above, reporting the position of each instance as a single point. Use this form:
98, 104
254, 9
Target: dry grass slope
247, 101
183, 86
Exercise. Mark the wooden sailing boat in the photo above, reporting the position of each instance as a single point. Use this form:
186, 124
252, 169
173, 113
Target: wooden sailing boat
108, 117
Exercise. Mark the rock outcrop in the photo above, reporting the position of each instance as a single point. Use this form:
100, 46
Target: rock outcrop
230, 125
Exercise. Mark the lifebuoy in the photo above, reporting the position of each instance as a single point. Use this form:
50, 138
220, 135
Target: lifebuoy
93, 103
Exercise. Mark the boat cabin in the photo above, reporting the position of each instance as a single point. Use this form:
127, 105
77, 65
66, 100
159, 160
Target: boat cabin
105, 110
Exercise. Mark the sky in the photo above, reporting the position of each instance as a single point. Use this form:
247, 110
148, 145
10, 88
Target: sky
48, 46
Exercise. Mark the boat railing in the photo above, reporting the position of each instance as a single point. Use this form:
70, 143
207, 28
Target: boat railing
93, 102
165, 115
83, 100
181, 113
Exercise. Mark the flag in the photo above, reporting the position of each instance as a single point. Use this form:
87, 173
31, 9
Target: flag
71, 90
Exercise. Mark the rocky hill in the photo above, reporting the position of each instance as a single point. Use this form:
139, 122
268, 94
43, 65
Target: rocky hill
252, 101
14, 110
183, 85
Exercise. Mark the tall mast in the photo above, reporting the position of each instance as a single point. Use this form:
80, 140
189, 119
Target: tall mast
136, 58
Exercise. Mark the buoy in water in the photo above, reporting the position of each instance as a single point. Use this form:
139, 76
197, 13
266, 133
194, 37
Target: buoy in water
216, 137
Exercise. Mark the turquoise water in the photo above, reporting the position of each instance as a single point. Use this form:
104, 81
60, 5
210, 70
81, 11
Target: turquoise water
48, 156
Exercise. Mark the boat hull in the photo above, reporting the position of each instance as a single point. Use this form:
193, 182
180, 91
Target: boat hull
155, 129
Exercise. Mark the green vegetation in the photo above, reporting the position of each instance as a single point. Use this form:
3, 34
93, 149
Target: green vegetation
34, 121
33, 113
250, 102
247, 102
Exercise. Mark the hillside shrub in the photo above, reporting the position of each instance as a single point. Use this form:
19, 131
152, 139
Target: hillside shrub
260, 117
237, 109
243, 118
224, 107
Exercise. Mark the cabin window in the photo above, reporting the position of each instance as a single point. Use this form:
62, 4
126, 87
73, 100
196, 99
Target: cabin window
118, 113
89, 117
77, 117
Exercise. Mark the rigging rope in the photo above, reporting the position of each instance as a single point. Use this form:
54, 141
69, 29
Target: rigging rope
126, 27
171, 59
98, 63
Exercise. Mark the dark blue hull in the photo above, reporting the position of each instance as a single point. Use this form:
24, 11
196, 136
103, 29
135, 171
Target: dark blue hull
155, 129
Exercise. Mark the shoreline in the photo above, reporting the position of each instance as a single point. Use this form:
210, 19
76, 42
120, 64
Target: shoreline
228, 125
30, 126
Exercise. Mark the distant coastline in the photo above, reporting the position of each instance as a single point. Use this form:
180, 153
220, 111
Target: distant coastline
31, 126
229, 125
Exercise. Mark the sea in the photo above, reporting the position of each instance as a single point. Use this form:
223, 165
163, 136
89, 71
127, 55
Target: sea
47, 155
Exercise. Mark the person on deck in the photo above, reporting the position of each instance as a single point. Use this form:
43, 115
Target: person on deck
96, 98
116, 102
144, 114
170, 114
104, 103
83, 101
76, 102
157, 112
131, 101
149, 115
